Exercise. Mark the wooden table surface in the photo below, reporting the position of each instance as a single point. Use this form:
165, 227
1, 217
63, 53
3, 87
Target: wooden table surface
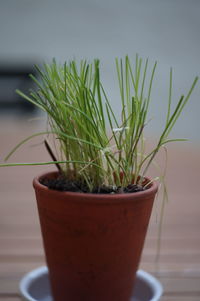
21, 250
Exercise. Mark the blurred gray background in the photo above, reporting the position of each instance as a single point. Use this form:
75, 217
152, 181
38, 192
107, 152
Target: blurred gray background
164, 30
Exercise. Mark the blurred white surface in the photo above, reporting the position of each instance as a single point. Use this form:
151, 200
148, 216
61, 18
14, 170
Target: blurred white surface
167, 31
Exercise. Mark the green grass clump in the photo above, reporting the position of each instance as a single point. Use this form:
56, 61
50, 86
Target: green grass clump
94, 146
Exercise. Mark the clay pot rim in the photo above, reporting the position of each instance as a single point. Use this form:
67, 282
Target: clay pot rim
91, 197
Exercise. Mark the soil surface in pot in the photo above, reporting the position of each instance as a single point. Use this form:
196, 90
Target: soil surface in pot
62, 184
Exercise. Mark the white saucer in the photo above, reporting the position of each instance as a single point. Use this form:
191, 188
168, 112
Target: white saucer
34, 286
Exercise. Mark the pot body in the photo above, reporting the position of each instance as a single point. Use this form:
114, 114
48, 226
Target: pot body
93, 243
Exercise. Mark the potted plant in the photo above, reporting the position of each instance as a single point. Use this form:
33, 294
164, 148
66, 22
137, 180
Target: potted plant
94, 211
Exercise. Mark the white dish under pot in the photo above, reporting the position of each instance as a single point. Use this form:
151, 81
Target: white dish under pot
35, 286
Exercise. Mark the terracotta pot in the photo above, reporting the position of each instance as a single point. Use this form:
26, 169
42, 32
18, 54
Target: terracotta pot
93, 243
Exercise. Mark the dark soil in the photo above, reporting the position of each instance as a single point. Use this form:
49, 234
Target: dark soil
62, 184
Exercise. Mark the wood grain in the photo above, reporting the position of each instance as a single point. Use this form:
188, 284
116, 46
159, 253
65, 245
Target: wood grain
21, 250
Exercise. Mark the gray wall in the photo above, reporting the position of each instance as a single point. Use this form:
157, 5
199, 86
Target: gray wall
163, 30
